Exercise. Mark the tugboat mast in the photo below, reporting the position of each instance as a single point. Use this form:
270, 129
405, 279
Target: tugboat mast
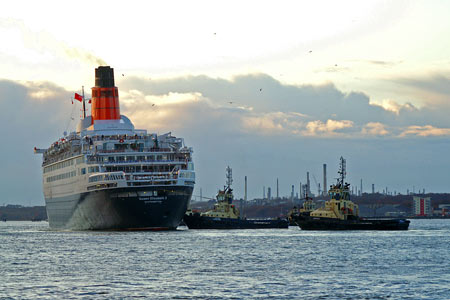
342, 171
229, 177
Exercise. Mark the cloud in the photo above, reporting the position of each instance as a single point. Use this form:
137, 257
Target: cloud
374, 62
374, 129
168, 112
329, 128
269, 107
433, 88
32, 114
436, 83
396, 108
264, 94
273, 123
263, 124
425, 131
384, 63
334, 69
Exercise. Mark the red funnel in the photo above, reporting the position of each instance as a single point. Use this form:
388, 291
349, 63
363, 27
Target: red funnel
105, 96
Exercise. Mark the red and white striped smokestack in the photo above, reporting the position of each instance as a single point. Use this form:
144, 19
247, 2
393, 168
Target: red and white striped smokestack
105, 96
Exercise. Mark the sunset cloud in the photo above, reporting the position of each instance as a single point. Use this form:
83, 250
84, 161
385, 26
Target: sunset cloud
425, 131
392, 106
267, 124
374, 129
329, 128
262, 105
274, 123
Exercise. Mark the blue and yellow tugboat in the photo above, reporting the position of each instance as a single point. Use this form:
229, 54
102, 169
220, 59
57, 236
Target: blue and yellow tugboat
225, 215
340, 213
307, 207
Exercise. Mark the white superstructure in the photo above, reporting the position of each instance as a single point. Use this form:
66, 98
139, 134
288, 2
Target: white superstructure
94, 159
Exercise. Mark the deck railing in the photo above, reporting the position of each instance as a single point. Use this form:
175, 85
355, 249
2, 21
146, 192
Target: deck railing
93, 160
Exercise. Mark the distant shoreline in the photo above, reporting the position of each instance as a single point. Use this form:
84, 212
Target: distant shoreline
39, 213
22, 213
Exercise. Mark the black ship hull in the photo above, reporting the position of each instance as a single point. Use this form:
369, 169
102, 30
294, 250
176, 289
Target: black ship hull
293, 218
196, 221
314, 223
131, 208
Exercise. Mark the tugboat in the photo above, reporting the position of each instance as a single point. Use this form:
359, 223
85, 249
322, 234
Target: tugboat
225, 215
307, 207
340, 213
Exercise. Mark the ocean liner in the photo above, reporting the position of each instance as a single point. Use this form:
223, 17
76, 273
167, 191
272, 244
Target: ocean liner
107, 175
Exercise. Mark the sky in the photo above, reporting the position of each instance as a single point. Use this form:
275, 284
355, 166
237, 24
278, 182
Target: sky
274, 89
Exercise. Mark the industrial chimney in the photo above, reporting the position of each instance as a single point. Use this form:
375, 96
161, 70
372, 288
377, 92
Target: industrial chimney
308, 185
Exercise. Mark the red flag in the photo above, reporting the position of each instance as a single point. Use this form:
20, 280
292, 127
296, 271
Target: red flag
78, 97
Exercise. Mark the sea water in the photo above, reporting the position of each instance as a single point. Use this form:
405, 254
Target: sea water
38, 263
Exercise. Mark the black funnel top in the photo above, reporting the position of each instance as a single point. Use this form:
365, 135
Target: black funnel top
104, 77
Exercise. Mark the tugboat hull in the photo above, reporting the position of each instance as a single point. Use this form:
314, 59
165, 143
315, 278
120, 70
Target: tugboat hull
314, 223
196, 221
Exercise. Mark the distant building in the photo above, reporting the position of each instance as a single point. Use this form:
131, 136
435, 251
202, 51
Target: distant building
444, 206
444, 210
421, 206
395, 214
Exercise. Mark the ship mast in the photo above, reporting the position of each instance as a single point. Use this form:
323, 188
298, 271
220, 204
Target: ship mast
84, 105
229, 177
342, 172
